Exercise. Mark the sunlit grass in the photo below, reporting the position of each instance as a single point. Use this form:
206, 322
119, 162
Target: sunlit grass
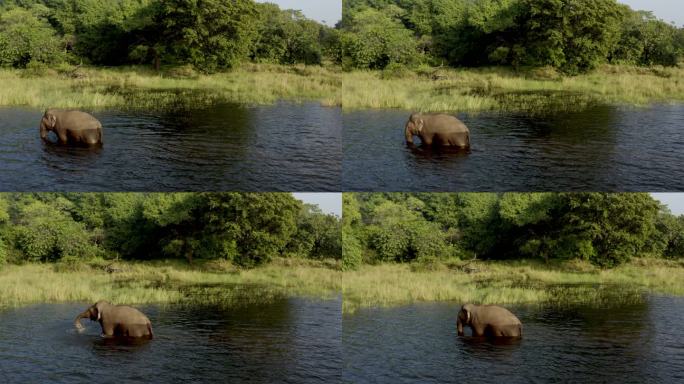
503, 89
167, 282
508, 283
141, 88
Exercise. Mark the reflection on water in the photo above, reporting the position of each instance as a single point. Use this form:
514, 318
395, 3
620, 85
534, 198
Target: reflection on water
287, 341
602, 148
625, 343
283, 147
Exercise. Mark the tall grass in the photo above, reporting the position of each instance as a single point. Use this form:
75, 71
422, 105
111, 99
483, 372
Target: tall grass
507, 283
167, 282
503, 89
140, 88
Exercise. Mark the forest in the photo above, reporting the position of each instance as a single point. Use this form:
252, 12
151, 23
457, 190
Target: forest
245, 229
568, 35
604, 229
209, 35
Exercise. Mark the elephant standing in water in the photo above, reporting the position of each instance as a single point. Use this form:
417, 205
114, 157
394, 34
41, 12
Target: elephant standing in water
117, 320
71, 127
489, 320
438, 130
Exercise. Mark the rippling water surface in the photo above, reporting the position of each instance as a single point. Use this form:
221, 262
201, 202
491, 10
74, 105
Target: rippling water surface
282, 147
288, 341
639, 343
603, 148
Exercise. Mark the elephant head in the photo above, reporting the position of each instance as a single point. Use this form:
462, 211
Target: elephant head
414, 126
47, 123
94, 313
464, 318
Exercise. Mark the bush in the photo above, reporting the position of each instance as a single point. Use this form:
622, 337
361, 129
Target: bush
395, 71
38, 69
182, 72
352, 252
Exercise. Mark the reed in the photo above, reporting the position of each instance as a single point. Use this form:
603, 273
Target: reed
166, 282
514, 282
141, 88
503, 89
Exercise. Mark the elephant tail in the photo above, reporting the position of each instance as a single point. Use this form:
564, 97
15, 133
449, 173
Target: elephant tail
149, 329
520, 329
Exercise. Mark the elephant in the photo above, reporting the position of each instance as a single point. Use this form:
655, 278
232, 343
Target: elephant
437, 130
489, 320
117, 320
72, 127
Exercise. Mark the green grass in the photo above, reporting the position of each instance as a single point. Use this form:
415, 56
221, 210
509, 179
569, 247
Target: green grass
508, 283
503, 89
142, 88
167, 282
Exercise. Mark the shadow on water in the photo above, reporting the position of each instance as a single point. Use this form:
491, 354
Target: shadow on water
105, 347
605, 341
601, 147
291, 340
489, 347
279, 147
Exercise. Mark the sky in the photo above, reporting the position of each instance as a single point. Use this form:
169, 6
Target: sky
332, 202
327, 202
329, 11
674, 201
668, 10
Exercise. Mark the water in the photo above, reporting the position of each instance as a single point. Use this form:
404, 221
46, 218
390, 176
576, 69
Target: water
289, 341
282, 147
601, 149
637, 343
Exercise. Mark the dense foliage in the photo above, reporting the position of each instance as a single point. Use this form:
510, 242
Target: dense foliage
208, 34
603, 228
245, 228
570, 35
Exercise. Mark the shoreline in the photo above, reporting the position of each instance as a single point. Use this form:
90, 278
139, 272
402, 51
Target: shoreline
139, 88
501, 89
515, 282
167, 282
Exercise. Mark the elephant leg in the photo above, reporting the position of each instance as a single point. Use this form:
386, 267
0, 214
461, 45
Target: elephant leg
108, 330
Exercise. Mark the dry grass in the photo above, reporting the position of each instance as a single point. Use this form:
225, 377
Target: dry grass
502, 89
140, 88
508, 283
167, 282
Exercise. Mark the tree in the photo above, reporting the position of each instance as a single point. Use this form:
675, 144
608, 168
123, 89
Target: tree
26, 38
374, 40
209, 34
287, 37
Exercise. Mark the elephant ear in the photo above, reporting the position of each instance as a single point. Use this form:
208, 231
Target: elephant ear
466, 313
419, 125
98, 308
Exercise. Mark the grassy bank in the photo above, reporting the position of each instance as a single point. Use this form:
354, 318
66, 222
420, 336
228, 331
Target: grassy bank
167, 282
508, 283
142, 88
503, 89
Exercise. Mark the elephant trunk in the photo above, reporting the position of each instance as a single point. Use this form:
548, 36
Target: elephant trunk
408, 133
459, 327
43, 130
77, 320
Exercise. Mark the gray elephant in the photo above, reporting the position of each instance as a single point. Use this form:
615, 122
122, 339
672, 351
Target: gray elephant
488, 320
438, 130
71, 127
117, 320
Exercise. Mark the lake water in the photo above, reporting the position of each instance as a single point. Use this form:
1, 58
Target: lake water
636, 343
288, 341
282, 147
601, 149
